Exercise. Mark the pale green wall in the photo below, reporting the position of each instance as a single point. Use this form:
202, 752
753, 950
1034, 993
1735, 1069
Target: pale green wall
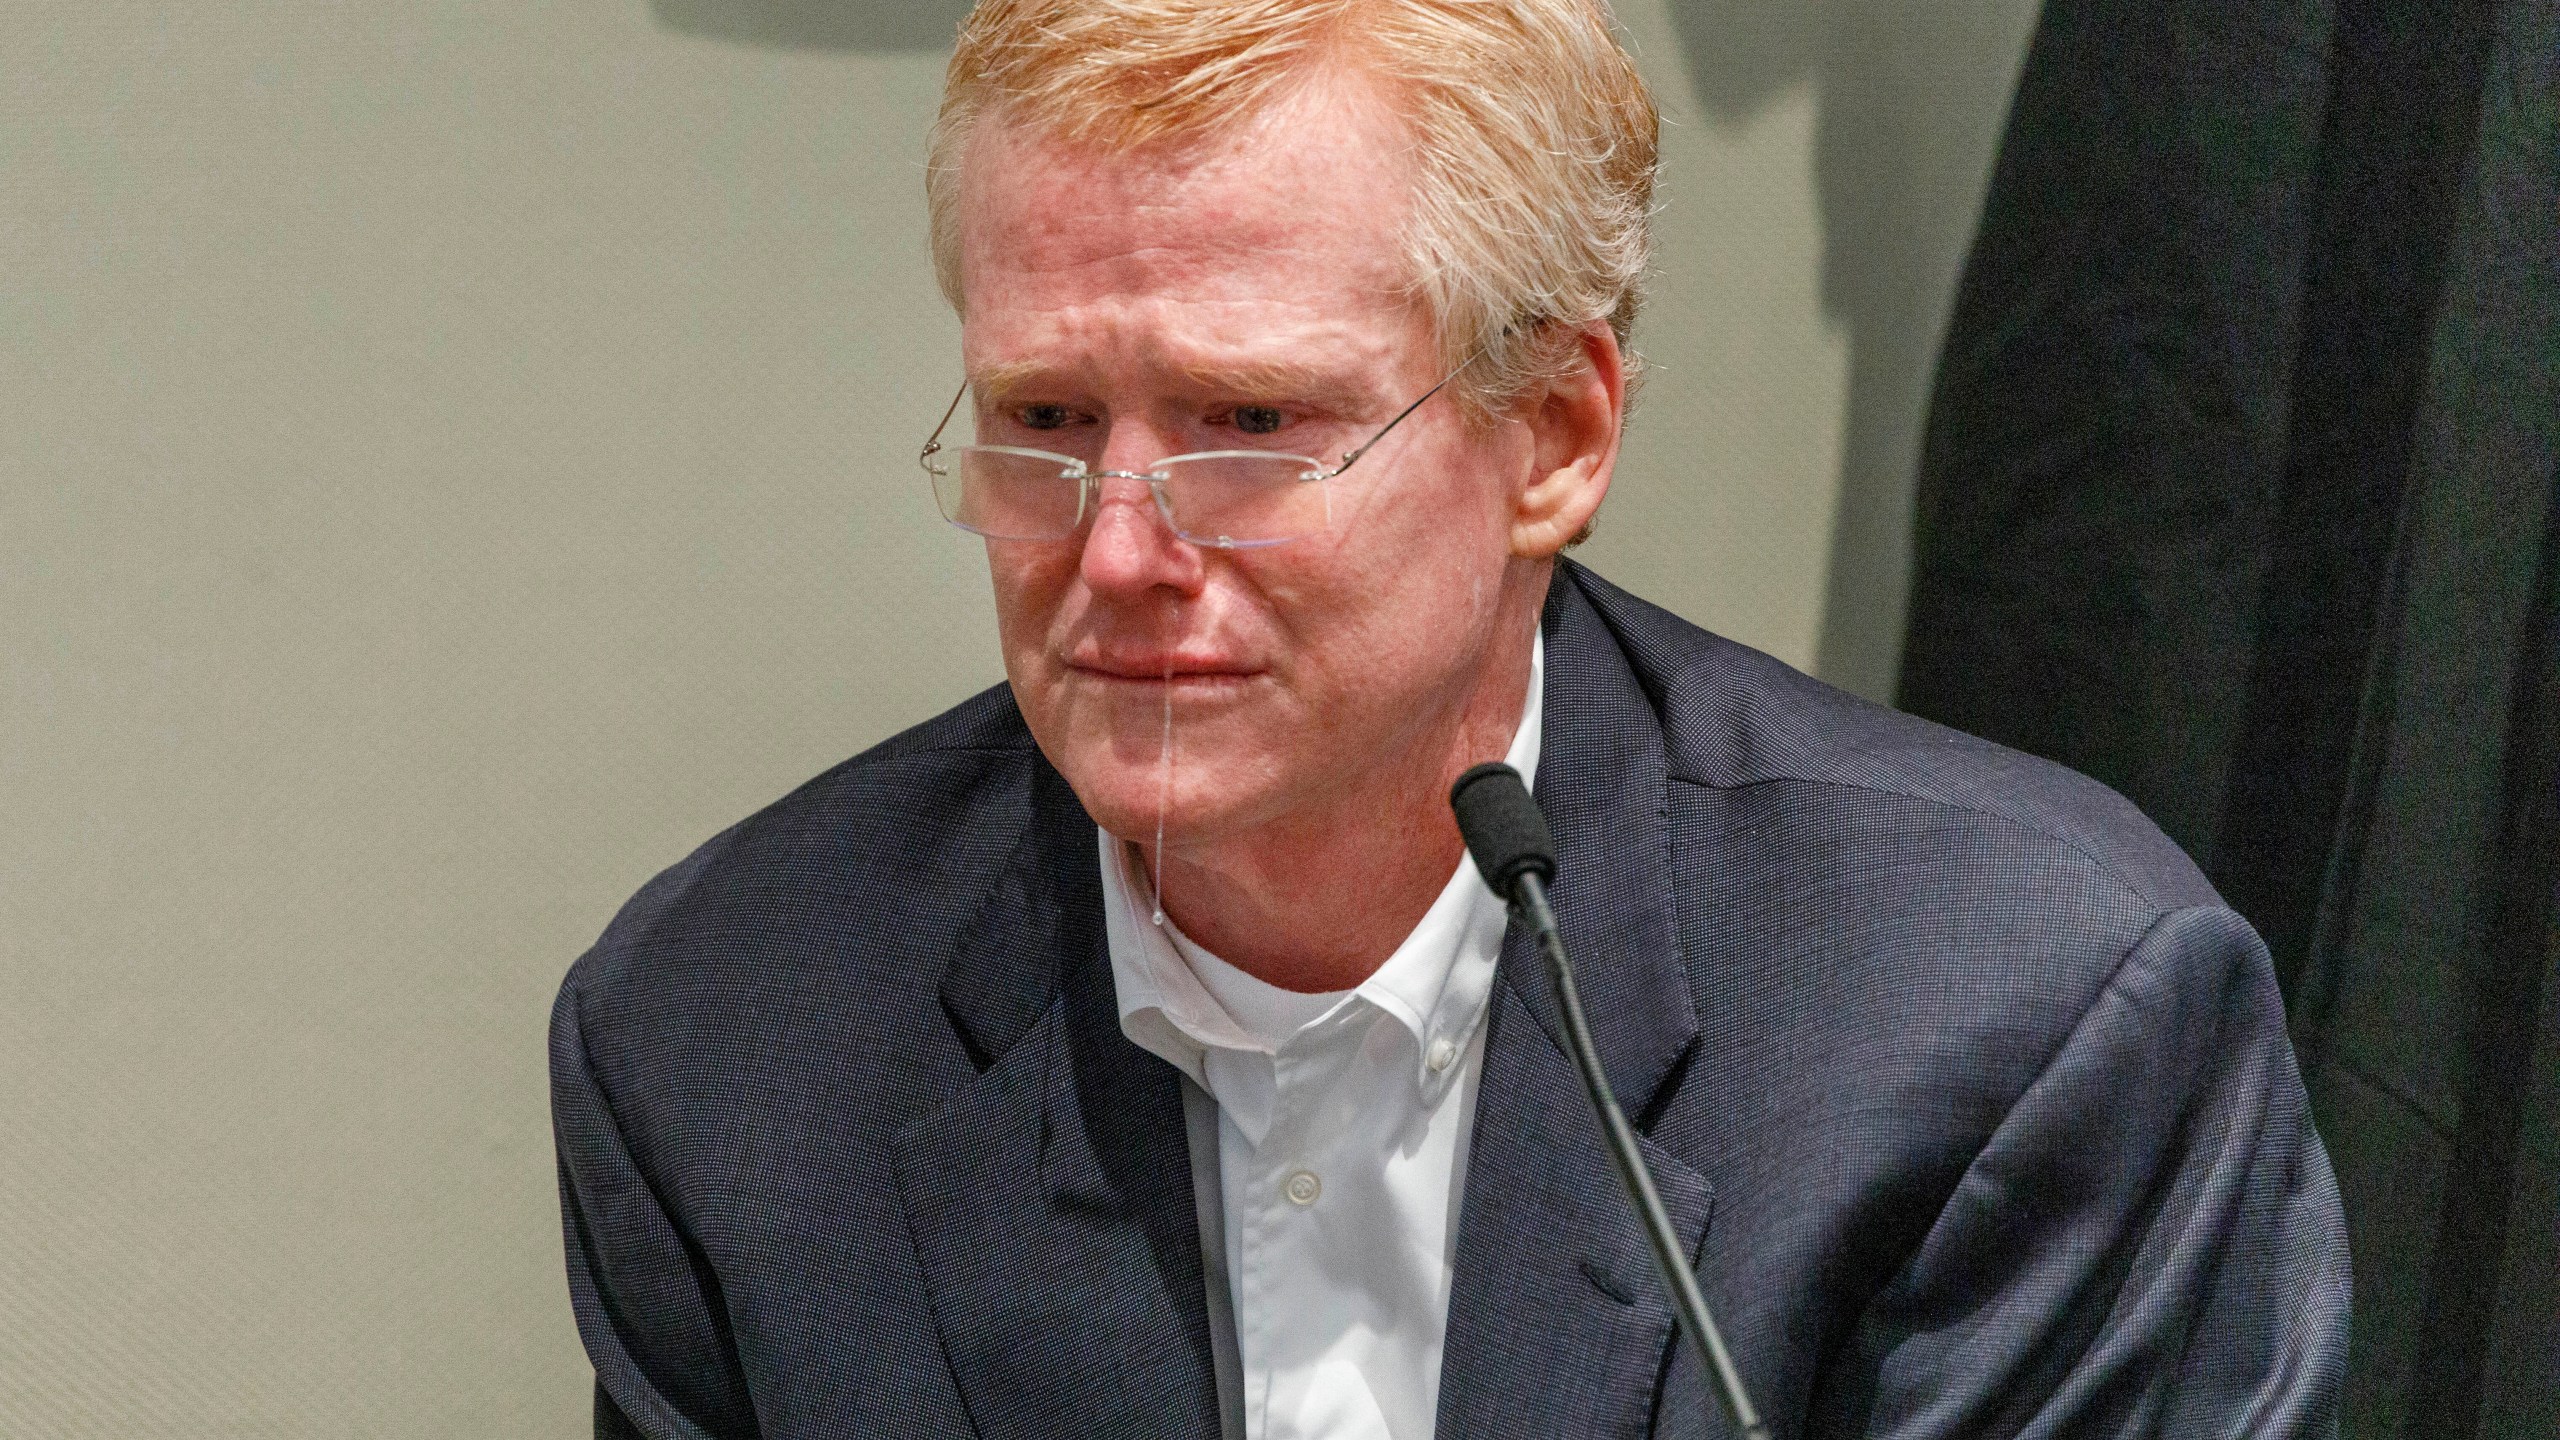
456, 456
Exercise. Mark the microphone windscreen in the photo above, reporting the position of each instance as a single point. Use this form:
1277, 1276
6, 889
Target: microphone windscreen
1504, 829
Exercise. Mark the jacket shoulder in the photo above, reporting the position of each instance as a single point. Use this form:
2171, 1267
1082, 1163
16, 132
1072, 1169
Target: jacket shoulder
1734, 718
836, 884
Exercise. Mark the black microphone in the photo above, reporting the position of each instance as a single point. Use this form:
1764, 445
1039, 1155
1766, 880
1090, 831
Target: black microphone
1506, 832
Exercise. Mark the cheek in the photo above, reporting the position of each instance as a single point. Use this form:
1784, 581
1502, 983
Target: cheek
1435, 534
1397, 599
1030, 584
1448, 496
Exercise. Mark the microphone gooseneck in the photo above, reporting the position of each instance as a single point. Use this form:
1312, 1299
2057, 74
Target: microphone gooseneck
1507, 835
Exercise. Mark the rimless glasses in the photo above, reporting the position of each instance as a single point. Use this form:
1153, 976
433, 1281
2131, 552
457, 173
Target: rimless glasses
1225, 499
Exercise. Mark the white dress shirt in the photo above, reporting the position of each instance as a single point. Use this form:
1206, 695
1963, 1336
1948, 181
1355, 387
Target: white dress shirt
1343, 1124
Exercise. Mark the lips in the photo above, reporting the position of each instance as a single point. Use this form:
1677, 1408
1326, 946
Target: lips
1134, 663
1159, 668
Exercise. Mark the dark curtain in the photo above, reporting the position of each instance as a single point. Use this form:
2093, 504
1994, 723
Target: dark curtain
2241, 492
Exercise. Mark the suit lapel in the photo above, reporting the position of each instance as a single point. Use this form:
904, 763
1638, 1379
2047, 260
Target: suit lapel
1050, 1199
1557, 1323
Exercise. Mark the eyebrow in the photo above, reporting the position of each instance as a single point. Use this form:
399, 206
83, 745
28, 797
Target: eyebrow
1277, 379
1280, 379
995, 380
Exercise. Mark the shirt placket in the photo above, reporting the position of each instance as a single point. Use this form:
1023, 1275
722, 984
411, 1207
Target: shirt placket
1280, 1235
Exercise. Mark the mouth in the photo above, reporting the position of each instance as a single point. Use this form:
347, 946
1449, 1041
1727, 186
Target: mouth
1180, 671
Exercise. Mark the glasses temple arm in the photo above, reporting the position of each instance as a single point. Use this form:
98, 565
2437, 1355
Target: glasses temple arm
933, 442
1352, 457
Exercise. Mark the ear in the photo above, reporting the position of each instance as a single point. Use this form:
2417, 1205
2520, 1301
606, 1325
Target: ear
1573, 426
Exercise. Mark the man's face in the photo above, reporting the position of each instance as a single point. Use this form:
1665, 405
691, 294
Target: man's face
1128, 308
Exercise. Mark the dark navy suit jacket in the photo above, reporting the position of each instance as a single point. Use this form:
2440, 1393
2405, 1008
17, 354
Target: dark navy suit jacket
1971, 1099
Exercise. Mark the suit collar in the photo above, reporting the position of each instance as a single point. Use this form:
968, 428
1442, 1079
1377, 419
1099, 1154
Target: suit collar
1050, 1198
1002, 972
1604, 784
1551, 1260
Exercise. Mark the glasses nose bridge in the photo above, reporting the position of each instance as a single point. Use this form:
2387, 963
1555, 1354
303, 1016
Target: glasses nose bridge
1098, 492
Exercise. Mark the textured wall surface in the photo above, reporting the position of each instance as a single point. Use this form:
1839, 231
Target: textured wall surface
458, 456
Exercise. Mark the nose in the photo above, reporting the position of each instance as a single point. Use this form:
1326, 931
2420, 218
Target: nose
1130, 550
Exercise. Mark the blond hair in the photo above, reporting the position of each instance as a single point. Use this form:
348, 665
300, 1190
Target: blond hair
1535, 140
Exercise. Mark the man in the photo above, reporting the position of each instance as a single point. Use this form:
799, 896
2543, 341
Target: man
1132, 1052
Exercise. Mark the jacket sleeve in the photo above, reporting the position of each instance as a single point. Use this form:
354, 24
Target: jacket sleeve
648, 1305
611, 1423
2149, 1244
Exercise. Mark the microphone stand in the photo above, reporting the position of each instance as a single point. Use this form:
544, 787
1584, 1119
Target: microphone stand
1531, 902
1506, 833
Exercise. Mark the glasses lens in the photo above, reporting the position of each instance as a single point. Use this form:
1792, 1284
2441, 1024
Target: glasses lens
1008, 495
1239, 498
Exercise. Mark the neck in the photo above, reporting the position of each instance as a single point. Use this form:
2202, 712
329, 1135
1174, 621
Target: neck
1317, 902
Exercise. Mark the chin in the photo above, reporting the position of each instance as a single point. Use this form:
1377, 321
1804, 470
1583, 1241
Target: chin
1126, 792
1108, 741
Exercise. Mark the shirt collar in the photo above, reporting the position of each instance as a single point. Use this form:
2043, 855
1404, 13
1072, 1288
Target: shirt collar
1435, 985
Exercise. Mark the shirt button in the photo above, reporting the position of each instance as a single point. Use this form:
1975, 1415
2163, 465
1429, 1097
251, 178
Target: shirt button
1303, 1188
1443, 1054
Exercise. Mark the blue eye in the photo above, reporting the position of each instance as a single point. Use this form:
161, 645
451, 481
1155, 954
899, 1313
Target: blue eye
1257, 419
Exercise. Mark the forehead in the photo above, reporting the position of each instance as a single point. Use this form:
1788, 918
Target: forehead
1288, 225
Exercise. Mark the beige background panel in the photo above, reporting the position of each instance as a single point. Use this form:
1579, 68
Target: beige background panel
457, 456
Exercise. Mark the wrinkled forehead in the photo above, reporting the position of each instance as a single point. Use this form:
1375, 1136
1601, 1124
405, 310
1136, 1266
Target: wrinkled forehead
1309, 194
